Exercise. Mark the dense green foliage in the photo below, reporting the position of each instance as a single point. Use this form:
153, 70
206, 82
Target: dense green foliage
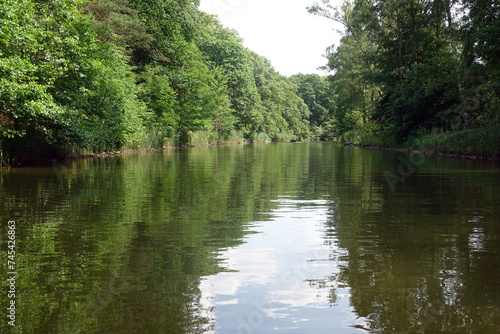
409, 69
81, 76
317, 93
61, 88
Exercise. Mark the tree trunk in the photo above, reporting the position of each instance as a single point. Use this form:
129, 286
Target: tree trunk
454, 49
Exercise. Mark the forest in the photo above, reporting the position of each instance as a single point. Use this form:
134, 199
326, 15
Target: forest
80, 76
417, 74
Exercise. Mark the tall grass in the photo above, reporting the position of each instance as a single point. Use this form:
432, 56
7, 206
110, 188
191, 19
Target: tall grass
236, 137
206, 137
480, 142
284, 136
202, 137
261, 137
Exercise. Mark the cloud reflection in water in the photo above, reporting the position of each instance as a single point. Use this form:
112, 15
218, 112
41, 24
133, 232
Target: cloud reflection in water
283, 278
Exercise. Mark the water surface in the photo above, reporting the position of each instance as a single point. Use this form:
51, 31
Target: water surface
268, 238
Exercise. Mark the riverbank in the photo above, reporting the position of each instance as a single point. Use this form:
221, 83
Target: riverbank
194, 139
67, 158
474, 144
432, 145
432, 153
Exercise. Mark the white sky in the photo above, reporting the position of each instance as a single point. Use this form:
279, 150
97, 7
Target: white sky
280, 30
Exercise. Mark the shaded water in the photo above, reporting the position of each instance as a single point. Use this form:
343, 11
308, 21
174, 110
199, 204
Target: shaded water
281, 238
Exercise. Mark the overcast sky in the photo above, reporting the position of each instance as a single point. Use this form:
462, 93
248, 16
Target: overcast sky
280, 30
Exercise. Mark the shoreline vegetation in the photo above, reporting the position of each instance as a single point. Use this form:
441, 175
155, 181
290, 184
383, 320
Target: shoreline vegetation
423, 75
480, 144
450, 153
88, 78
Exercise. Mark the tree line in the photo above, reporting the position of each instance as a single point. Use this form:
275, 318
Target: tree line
82, 76
421, 73
93, 76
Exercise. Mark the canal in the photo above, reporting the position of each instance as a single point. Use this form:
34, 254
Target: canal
267, 238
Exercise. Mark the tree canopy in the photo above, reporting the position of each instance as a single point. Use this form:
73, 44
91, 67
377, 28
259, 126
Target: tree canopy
80, 76
405, 70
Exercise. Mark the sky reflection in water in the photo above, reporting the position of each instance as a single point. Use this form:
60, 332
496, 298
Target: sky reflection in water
283, 276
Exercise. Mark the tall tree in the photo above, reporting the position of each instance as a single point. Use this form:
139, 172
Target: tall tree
62, 87
402, 50
483, 32
222, 48
317, 93
284, 112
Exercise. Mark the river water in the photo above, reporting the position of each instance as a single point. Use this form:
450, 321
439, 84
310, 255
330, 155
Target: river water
267, 238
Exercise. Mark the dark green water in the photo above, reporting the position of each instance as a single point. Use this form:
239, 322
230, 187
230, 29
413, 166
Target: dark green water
269, 238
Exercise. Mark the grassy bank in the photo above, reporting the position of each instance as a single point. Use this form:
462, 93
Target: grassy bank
478, 142
200, 138
143, 143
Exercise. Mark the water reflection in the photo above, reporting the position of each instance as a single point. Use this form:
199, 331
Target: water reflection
305, 238
423, 261
284, 277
